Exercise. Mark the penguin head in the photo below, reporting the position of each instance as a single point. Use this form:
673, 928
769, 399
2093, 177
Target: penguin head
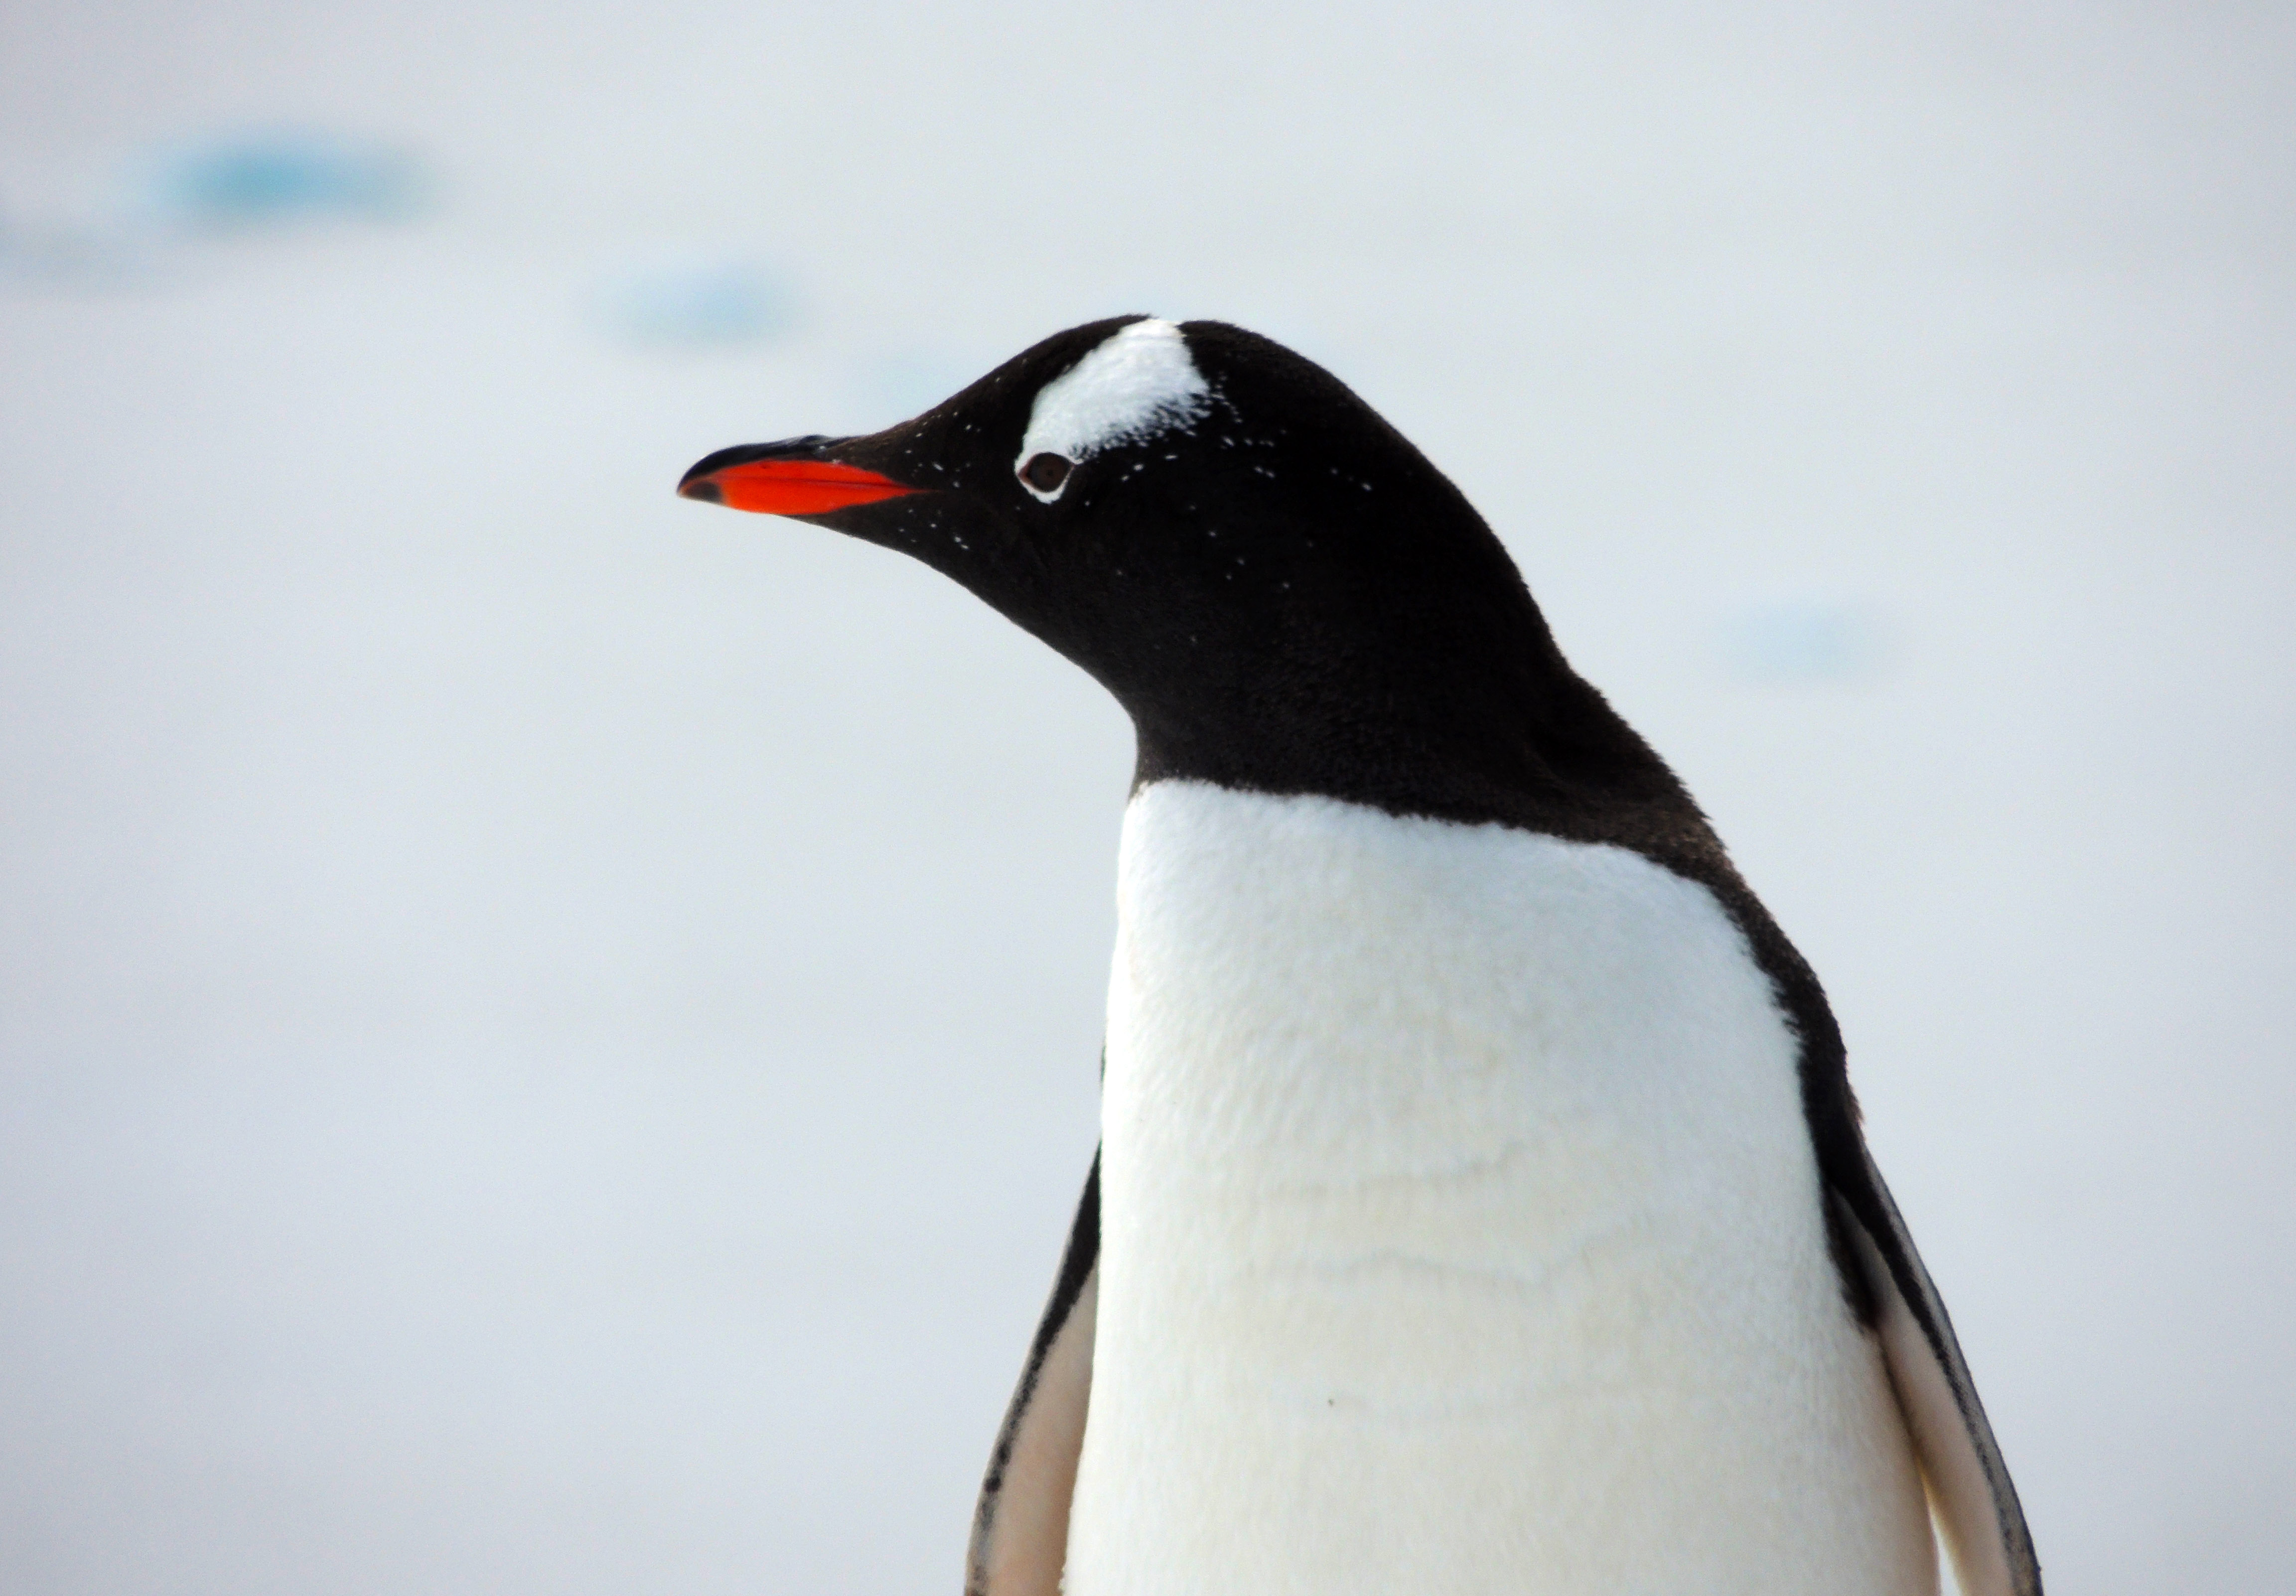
1279, 588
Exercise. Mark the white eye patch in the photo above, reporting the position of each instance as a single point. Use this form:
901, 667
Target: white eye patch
1140, 381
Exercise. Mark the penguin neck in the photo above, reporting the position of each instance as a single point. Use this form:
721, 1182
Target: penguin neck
1468, 713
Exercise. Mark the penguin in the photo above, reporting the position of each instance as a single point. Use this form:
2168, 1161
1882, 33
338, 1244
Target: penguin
1482, 1205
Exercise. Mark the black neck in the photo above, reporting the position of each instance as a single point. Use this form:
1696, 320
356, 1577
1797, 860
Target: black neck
1456, 713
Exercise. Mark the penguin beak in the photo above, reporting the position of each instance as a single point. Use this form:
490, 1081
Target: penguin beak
785, 478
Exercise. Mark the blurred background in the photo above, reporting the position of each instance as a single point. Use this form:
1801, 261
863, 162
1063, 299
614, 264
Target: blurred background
547, 1033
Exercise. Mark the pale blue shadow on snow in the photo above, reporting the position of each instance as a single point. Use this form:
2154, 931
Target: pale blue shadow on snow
266, 177
696, 298
1804, 639
140, 223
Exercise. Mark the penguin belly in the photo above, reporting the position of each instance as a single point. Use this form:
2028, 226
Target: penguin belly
1461, 1232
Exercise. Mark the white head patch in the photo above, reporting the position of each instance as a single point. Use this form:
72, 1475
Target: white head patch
1140, 381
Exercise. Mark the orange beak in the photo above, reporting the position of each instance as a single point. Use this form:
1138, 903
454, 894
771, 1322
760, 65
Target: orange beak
789, 486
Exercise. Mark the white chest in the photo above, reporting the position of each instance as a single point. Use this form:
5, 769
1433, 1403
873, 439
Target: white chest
1460, 1232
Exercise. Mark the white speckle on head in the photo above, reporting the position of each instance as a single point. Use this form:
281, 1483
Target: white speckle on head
1138, 382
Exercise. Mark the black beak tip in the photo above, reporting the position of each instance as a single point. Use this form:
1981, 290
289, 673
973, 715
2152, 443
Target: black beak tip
698, 484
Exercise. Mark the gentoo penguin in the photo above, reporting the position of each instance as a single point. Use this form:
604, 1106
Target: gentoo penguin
1482, 1206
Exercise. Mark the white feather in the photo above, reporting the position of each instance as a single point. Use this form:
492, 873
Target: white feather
1461, 1233
1136, 382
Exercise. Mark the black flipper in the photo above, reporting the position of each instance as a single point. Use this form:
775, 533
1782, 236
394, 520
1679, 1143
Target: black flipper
1887, 1288
1970, 1493
1021, 1530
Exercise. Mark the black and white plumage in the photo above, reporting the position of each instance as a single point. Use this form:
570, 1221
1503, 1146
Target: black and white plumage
1482, 1205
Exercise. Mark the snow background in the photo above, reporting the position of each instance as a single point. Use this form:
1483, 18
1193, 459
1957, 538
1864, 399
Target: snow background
547, 1032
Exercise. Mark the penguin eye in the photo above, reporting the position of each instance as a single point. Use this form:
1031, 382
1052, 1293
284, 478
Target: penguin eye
1046, 472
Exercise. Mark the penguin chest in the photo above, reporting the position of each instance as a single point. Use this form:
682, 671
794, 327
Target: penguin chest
1461, 1232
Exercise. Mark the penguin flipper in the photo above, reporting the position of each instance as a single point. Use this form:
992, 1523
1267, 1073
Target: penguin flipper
1969, 1490
1021, 1530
